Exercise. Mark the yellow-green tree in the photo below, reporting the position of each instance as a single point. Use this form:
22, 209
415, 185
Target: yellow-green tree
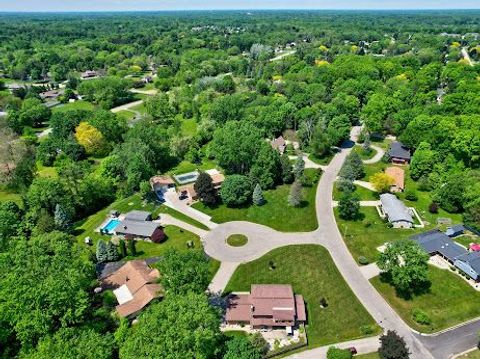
91, 139
382, 182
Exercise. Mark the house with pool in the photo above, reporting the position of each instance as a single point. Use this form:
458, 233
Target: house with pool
136, 225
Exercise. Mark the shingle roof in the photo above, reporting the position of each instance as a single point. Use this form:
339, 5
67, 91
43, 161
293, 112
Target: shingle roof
473, 260
395, 210
136, 228
136, 215
398, 175
435, 241
399, 150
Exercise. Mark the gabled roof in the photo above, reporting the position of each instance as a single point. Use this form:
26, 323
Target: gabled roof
472, 259
435, 241
399, 150
398, 175
395, 209
135, 215
136, 228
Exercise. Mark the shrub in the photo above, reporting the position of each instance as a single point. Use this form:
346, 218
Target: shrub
433, 207
363, 260
236, 190
366, 329
345, 185
421, 317
424, 184
335, 353
411, 195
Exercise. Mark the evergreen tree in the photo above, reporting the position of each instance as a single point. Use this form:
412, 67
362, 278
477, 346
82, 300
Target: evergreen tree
393, 346
101, 254
295, 196
62, 219
131, 247
204, 188
348, 206
257, 197
112, 252
123, 248
299, 167
287, 169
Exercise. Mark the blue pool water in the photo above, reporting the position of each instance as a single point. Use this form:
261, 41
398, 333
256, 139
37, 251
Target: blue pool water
110, 226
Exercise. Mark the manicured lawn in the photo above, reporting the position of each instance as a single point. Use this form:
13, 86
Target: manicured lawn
44, 171
189, 127
450, 301
363, 155
322, 161
180, 216
368, 356
466, 239
312, 273
6, 195
472, 355
363, 193
186, 166
370, 170
77, 105
237, 240
275, 213
140, 108
364, 236
127, 115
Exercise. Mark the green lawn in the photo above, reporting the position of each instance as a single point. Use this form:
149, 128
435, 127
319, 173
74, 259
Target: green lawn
186, 166
44, 171
77, 105
140, 108
180, 216
472, 355
322, 161
466, 239
363, 155
237, 240
127, 115
312, 273
189, 127
363, 193
275, 213
368, 356
450, 301
364, 236
6, 195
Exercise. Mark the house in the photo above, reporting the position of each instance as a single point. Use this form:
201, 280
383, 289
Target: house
398, 175
217, 180
469, 263
51, 95
147, 79
89, 74
134, 285
455, 230
399, 153
395, 211
139, 216
161, 184
435, 242
279, 144
267, 306
188, 191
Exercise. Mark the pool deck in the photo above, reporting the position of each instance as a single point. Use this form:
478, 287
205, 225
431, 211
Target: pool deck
108, 219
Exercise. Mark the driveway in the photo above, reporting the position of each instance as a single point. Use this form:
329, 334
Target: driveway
378, 156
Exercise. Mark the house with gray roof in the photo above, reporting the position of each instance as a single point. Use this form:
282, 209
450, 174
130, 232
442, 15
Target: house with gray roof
139, 216
455, 230
469, 263
399, 153
395, 211
146, 230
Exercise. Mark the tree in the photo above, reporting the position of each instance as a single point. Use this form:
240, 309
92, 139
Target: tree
257, 197
112, 252
159, 108
58, 276
295, 197
259, 342
392, 346
63, 221
111, 126
335, 353
74, 343
299, 167
181, 326
101, 252
266, 169
349, 206
205, 190
422, 161
240, 347
406, 264
382, 182
91, 139
123, 248
132, 247
10, 222
45, 192
352, 168
184, 272
287, 169
236, 190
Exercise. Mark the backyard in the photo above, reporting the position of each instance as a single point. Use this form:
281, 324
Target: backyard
312, 273
275, 213
450, 301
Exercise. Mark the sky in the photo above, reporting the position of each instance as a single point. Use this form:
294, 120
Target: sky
145, 5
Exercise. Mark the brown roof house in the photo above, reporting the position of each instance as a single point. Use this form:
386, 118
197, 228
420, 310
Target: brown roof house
135, 286
161, 184
268, 306
279, 144
398, 174
188, 191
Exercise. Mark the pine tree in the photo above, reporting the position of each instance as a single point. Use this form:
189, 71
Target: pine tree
287, 169
393, 346
348, 206
131, 247
299, 167
62, 219
257, 197
204, 188
295, 196
101, 253
112, 252
123, 248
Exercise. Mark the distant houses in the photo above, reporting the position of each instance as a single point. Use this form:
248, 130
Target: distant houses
279, 144
395, 211
399, 153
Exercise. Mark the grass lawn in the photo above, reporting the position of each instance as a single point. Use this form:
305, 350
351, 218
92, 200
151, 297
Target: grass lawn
127, 115
77, 105
186, 166
322, 161
189, 127
363, 155
140, 108
6, 195
466, 239
312, 273
44, 171
363, 193
475, 354
237, 240
275, 213
364, 236
368, 356
450, 301
180, 216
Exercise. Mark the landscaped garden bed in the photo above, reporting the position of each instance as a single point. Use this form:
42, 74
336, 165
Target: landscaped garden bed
237, 240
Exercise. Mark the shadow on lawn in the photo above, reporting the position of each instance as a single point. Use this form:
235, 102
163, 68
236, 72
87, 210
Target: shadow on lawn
418, 289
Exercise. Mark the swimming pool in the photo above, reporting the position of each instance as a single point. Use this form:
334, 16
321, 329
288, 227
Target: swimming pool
187, 177
110, 226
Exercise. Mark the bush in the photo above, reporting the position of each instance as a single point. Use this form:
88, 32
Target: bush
411, 195
421, 317
236, 190
366, 329
335, 353
433, 208
424, 184
363, 260
344, 185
